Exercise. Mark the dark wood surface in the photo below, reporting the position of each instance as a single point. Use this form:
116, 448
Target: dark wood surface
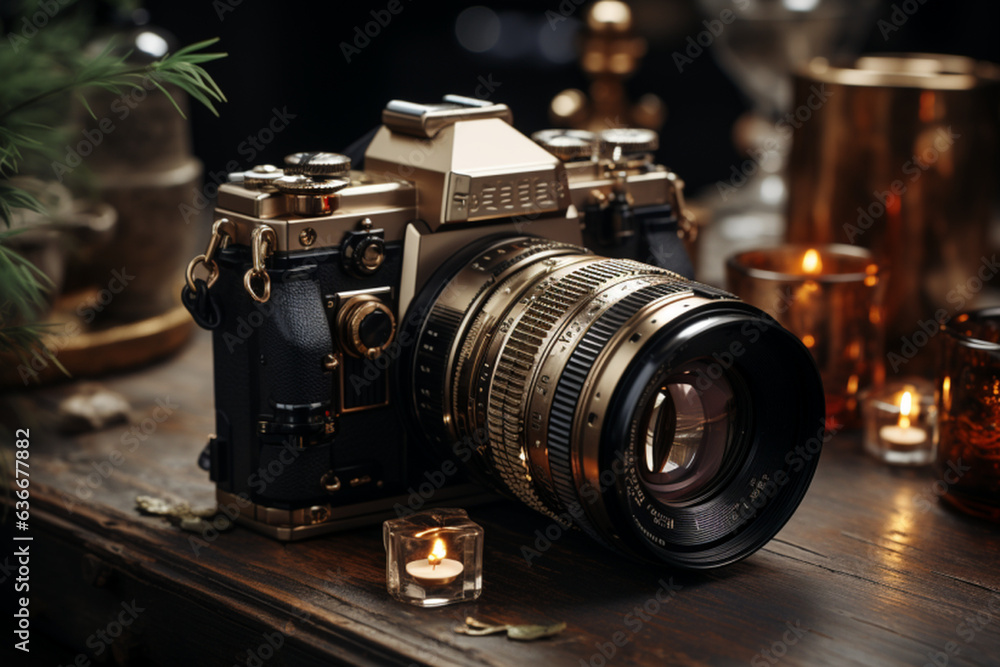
871, 570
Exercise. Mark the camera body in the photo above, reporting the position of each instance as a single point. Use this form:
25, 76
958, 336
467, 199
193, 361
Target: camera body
314, 273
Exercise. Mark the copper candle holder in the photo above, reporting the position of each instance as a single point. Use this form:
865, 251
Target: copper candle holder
830, 296
968, 394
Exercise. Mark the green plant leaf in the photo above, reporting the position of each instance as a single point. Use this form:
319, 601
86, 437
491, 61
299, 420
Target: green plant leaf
38, 76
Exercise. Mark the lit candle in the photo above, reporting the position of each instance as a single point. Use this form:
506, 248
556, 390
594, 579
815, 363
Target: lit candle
903, 433
811, 265
435, 569
811, 262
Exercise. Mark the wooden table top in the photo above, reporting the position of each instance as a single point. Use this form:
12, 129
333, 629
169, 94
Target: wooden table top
871, 570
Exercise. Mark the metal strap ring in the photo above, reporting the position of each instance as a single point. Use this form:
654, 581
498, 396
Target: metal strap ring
262, 241
265, 293
210, 264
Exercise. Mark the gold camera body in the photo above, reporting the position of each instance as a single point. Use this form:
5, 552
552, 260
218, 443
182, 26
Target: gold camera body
332, 258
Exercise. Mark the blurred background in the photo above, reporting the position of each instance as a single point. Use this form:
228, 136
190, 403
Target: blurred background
289, 54
712, 76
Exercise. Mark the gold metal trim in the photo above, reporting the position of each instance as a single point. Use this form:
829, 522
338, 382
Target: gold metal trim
300, 524
926, 71
262, 243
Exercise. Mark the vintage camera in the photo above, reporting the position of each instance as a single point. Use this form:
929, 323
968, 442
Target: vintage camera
431, 326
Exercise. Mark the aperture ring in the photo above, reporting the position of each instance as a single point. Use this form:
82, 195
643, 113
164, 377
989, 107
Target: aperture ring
571, 384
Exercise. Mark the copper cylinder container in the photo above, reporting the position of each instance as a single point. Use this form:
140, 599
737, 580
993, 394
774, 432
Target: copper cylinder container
830, 297
899, 155
968, 394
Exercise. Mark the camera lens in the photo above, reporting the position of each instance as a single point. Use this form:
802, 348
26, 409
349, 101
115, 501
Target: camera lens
685, 434
665, 418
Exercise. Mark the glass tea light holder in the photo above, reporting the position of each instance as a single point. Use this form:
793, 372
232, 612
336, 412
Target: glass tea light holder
900, 422
434, 557
968, 394
830, 296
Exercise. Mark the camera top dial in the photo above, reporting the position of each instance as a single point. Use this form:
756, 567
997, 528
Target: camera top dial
261, 176
317, 164
567, 144
627, 142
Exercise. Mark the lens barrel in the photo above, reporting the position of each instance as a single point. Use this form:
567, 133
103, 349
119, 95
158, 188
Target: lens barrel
663, 417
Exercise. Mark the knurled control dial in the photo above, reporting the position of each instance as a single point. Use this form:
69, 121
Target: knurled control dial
567, 144
318, 164
368, 254
630, 141
297, 184
366, 326
260, 176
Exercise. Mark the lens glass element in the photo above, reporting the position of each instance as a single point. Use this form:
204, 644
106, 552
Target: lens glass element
687, 429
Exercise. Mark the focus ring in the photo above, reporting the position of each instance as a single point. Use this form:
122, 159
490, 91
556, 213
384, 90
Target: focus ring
572, 381
518, 360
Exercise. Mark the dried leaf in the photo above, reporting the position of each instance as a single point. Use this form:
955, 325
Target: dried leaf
179, 514
527, 633
152, 505
523, 633
481, 631
194, 525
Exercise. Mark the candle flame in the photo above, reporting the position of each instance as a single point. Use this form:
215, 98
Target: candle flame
811, 263
905, 405
438, 552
